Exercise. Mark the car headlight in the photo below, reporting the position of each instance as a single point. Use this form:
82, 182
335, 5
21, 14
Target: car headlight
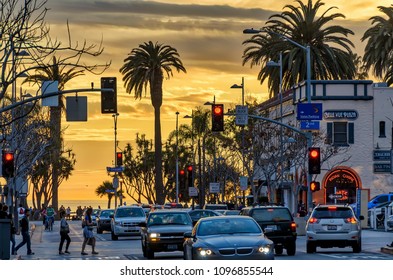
154, 236
205, 252
265, 249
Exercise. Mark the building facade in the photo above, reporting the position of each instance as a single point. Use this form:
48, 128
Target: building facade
355, 135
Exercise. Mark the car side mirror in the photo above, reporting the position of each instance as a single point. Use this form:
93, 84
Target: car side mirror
268, 230
111, 216
361, 217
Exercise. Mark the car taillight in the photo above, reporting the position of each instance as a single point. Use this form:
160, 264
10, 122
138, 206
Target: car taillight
351, 220
313, 220
293, 227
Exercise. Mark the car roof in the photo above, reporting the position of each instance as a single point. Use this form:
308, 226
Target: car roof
171, 211
227, 217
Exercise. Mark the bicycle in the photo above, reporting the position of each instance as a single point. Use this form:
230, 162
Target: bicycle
49, 221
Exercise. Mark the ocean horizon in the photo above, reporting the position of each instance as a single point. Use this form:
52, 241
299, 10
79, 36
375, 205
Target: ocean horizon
94, 203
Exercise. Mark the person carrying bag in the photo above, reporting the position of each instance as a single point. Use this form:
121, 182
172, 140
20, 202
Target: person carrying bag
88, 234
64, 231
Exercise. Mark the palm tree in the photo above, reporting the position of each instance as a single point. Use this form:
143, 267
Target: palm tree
105, 189
54, 72
378, 51
145, 66
331, 55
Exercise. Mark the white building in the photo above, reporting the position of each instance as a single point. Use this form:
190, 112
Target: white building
357, 119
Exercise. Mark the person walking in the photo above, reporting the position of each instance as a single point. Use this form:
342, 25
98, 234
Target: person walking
25, 227
64, 231
88, 233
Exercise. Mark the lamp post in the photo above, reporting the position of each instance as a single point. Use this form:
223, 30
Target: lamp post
193, 156
115, 161
308, 90
177, 157
242, 148
279, 64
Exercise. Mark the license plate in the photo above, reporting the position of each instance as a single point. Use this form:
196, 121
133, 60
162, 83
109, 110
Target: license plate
172, 247
332, 227
273, 227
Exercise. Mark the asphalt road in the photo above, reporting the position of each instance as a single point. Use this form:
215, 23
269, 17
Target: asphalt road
45, 245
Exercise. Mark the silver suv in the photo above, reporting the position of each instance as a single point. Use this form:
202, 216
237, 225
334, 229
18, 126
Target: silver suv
125, 221
333, 226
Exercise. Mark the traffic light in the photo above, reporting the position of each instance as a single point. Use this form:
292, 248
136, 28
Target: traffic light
314, 160
109, 98
7, 167
182, 178
315, 186
189, 175
217, 117
119, 158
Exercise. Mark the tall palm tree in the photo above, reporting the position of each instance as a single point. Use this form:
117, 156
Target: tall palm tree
331, 55
145, 66
55, 72
378, 53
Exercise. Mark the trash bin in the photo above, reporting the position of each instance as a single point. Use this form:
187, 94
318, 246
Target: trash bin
5, 233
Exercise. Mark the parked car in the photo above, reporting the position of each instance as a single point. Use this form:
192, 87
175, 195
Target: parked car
94, 216
164, 231
125, 221
376, 200
196, 214
277, 224
231, 212
227, 237
333, 226
104, 220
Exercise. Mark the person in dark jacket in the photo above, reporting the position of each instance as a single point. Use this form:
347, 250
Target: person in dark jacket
25, 227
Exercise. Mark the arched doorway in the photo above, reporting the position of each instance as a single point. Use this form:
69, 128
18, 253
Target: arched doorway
340, 185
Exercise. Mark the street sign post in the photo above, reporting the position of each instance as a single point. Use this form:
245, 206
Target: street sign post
192, 191
214, 187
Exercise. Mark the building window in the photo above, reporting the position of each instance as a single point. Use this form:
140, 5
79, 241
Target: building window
340, 133
382, 128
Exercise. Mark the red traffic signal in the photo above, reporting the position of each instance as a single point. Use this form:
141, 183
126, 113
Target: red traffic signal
7, 167
182, 172
218, 117
189, 168
119, 158
315, 186
314, 160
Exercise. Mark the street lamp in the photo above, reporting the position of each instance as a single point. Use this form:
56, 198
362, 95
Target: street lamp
192, 143
177, 157
242, 87
308, 89
279, 64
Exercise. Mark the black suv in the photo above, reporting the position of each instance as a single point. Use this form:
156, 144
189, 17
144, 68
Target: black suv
278, 225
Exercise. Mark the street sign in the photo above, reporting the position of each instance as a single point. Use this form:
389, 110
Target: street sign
115, 169
309, 125
109, 191
309, 111
115, 183
243, 183
214, 187
241, 115
335, 196
192, 191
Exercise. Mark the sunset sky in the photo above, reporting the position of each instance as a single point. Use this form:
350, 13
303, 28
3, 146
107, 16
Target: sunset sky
208, 36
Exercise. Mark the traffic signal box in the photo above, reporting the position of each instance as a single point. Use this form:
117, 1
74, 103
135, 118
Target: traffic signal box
218, 117
119, 158
109, 98
314, 160
315, 186
189, 175
7, 167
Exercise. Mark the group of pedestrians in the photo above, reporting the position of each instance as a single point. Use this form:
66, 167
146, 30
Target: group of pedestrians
24, 229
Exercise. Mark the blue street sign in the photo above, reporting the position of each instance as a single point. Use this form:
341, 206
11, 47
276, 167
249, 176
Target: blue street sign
309, 125
309, 111
115, 169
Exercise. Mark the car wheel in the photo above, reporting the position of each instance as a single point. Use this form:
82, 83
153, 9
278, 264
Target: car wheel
278, 250
149, 253
114, 236
357, 248
310, 248
291, 249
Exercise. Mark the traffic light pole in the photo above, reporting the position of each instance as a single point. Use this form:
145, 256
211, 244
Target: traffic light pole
115, 132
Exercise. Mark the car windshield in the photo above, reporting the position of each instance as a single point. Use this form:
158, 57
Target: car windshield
106, 213
129, 212
169, 219
228, 226
332, 212
271, 214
